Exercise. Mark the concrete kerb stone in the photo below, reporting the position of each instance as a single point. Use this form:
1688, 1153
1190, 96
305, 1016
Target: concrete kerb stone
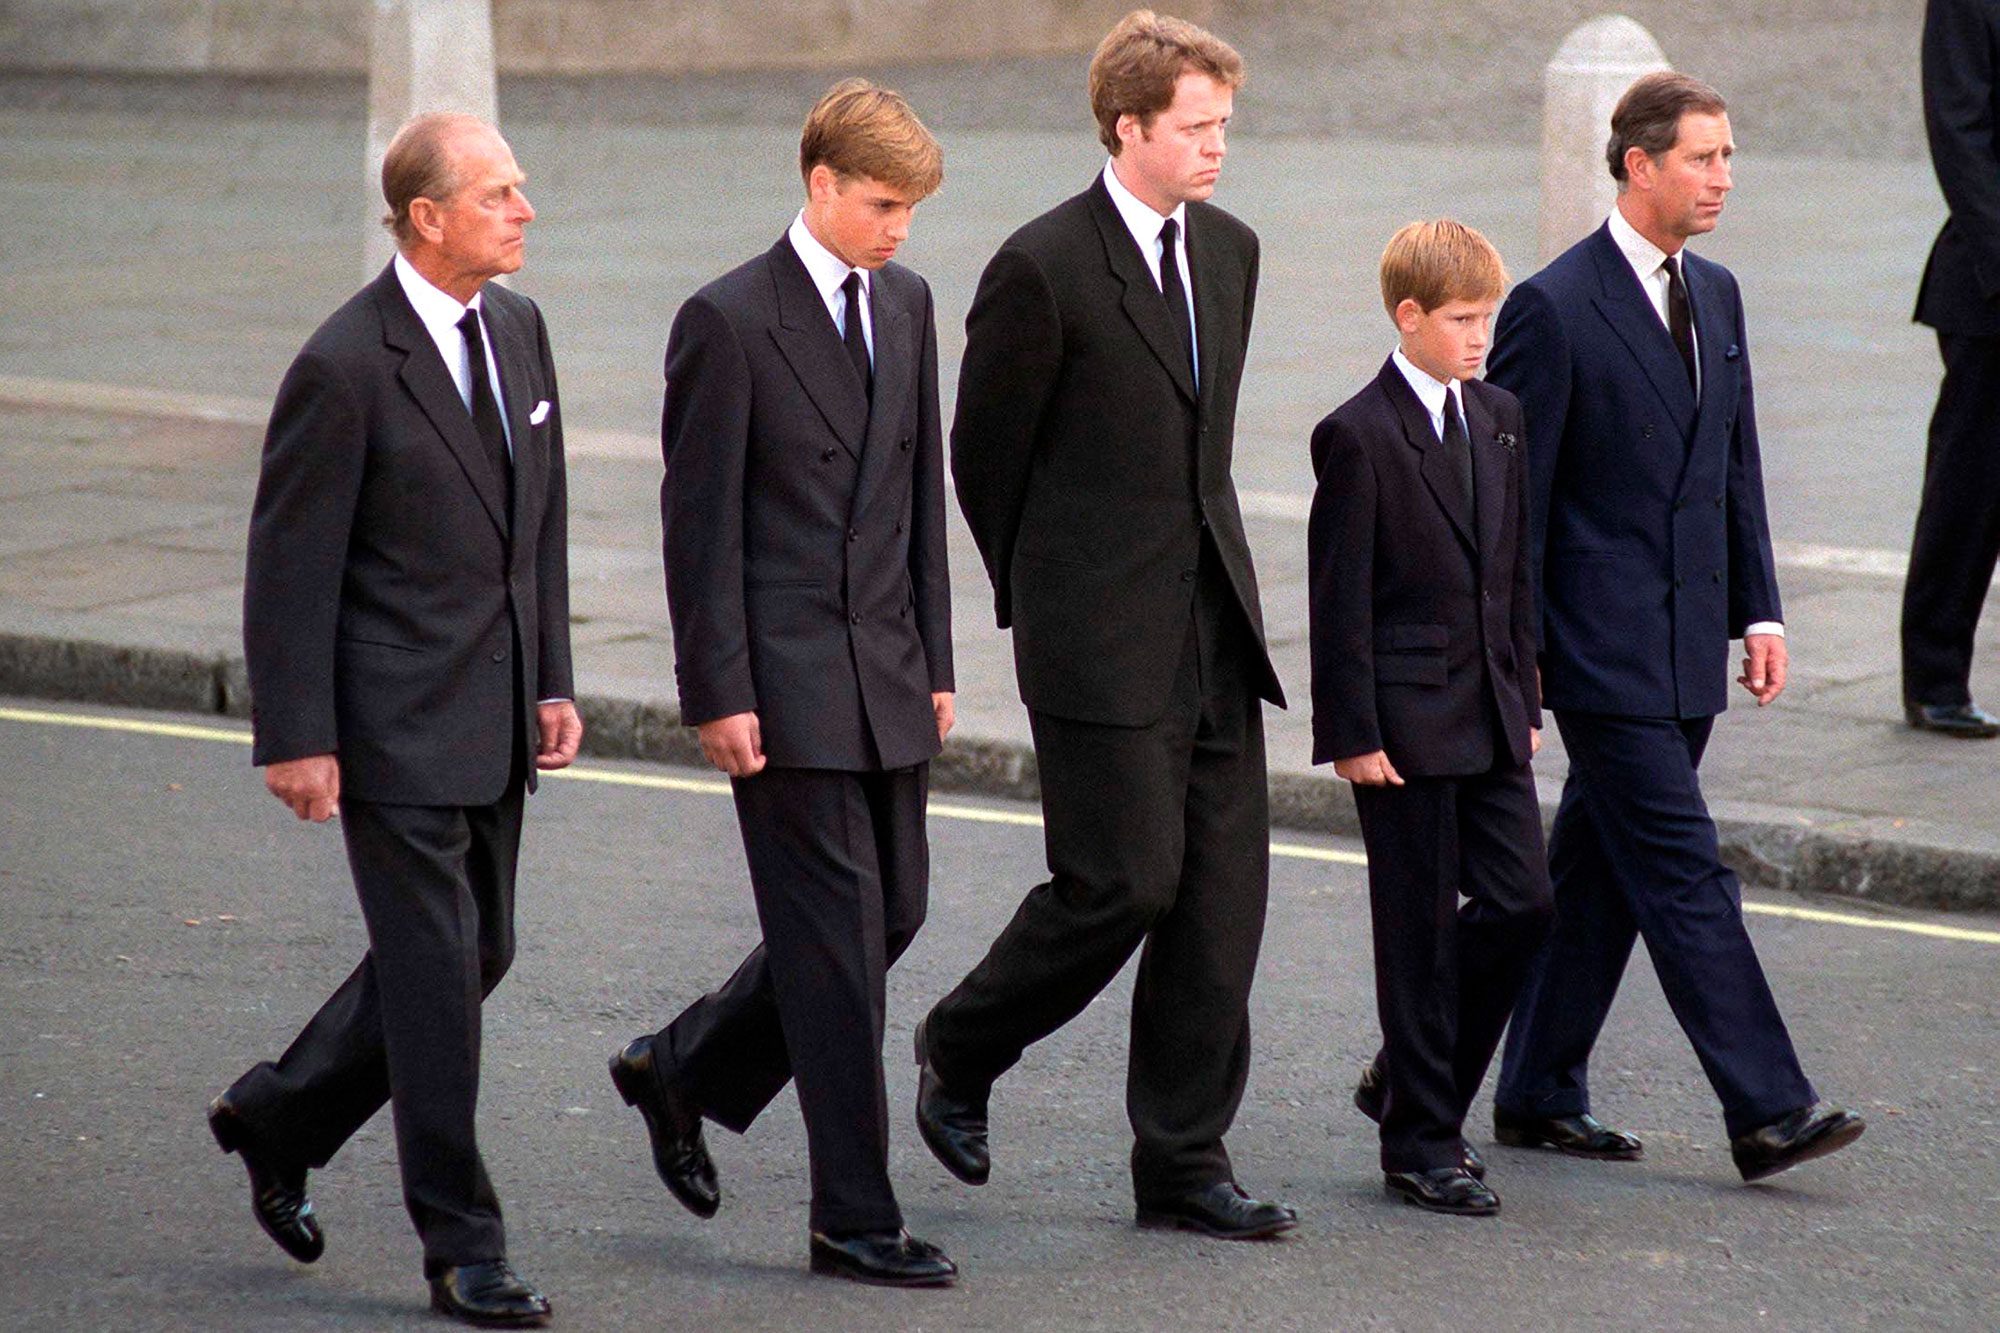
1862, 861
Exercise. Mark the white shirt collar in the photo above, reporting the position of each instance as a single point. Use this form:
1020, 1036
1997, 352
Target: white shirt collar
1141, 218
1644, 257
1429, 390
827, 270
439, 310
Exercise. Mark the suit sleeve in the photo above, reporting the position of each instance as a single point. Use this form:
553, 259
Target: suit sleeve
1958, 116
704, 439
1013, 355
1531, 360
1340, 573
557, 679
930, 576
1527, 613
1753, 576
308, 487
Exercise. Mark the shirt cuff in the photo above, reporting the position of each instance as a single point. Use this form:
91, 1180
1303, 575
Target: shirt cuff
559, 699
1765, 627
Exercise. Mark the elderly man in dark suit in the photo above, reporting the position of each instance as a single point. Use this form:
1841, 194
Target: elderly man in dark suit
1091, 449
803, 508
1958, 524
406, 625
1651, 551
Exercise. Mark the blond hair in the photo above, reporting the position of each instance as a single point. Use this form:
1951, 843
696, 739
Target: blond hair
1141, 60
1439, 261
858, 129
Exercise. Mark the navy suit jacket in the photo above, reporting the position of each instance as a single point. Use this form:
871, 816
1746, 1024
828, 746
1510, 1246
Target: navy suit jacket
1649, 540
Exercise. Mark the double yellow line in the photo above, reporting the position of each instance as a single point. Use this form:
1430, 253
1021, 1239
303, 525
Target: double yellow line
938, 809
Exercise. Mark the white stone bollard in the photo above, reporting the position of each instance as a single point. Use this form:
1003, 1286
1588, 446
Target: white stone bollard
1591, 70
424, 55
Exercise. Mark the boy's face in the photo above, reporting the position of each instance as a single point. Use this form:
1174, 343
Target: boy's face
860, 219
1447, 343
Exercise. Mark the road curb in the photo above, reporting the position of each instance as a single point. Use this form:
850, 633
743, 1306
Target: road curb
1799, 855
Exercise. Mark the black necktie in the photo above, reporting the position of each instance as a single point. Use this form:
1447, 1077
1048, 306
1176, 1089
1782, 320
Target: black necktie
1175, 293
857, 344
1678, 321
486, 408
1459, 446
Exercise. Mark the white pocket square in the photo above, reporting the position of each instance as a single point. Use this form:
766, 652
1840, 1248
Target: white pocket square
540, 414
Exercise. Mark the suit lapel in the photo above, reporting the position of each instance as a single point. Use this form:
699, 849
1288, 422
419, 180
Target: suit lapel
1439, 473
1489, 474
511, 352
895, 362
1714, 337
1206, 267
423, 373
811, 346
1624, 305
1143, 304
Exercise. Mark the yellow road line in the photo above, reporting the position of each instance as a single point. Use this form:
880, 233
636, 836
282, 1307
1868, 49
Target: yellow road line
949, 810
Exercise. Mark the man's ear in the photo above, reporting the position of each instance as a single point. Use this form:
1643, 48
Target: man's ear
424, 216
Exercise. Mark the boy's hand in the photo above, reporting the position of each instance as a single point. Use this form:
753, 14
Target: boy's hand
1369, 770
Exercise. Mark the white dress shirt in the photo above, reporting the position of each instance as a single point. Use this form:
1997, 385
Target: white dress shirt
829, 274
1146, 224
1648, 263
1430, 392
439, 312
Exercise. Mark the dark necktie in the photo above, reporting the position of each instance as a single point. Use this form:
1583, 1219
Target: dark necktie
1459, 446
857, 343
1175, 292
1679, 323
486, 408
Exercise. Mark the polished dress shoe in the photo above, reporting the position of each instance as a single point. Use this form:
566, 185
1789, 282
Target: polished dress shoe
1809, 1132
1968, 720
679, 1153
952, 1121
882, 1259
1371, 1098
1447, 1189
277, 1193
1221, 1210
1577, 1135
488, 1294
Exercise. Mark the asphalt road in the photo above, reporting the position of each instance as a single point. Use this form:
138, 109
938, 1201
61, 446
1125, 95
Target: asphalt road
163, 923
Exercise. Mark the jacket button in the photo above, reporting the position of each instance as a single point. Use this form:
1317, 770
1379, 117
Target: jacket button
1187, 576
500, 656
899, 527
1645, 432
856, 617
854, 534
1485, 594
826, 456
1678, 580
1716, 576
1679, 505
904, 443
1718, 502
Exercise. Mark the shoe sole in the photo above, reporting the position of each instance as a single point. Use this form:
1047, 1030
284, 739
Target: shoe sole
697, 1205
1520, 1138
1151, 1221
834, 1268
1440, 1209
1827, 1143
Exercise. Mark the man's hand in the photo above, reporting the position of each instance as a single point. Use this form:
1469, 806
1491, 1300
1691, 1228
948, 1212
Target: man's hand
309, 786
1764, 662
1369, 770
561, 733
1534, 741
733, 744
946, 712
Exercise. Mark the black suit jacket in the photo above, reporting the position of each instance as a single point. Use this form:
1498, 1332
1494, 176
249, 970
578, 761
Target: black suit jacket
1087, 465
804, 531
393, 612
1423, 616
1960, 292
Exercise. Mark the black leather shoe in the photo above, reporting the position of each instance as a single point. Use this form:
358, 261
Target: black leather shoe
1809, 1132
277, 1193
882, 1259
952, 1121
1576, 1135
1448, 1189
489, 1294
679, 1153
1968, 720
1371, 1098
1221, 1210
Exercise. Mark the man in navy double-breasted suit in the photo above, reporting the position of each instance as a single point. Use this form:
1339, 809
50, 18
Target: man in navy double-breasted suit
1651, 551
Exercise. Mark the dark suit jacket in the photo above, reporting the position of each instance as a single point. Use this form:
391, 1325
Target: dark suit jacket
1960, 292
1423, 619
804, 532
1086, 464
1648, 536
393, 613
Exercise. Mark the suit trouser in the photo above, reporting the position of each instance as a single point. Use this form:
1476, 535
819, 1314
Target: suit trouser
840, 867
436, 885
1957, 538
1446, 976
1634, 853
1157, 836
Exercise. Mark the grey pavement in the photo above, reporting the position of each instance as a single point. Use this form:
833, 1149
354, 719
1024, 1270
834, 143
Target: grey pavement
166, 255
163, 923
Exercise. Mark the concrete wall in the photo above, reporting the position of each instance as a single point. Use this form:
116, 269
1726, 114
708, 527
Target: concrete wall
549, 36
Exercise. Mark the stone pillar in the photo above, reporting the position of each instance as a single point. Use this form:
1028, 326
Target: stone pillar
424, 55
1591, 70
